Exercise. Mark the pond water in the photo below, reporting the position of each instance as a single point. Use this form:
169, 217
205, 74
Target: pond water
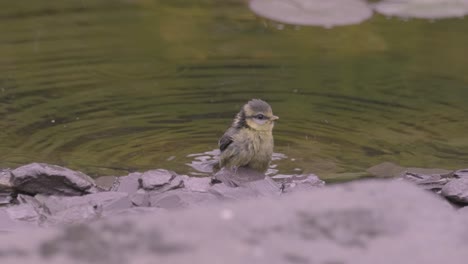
108, 87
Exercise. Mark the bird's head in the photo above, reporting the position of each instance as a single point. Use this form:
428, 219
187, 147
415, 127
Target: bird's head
257, 114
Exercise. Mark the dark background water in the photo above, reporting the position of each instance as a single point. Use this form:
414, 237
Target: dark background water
108, 87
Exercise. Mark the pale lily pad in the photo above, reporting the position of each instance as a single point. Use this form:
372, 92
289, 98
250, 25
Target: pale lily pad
327, 13
428, 9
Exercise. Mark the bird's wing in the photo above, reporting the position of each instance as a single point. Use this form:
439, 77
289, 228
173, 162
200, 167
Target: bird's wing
226, 139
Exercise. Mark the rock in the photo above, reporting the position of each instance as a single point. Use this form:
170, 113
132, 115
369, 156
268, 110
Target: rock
238, 177
363, 222
105, 200
7, 224
51, 179
290, 183
129, 184
5, 176
107, 183
6, 189
157, 179
196, 184
433, 182
456, 190
461, 173
23, 212
181, 199
140, 198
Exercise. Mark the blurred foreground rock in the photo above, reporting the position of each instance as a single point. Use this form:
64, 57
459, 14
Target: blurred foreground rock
386, 221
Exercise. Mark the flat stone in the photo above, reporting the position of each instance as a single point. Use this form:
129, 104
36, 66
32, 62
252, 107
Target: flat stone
433, 182
49, 179
463, 173
129, 184
456, 190
7, 224
196, 184
181, 199
299, 182
238, 177
105, 200
140, 198
155, 179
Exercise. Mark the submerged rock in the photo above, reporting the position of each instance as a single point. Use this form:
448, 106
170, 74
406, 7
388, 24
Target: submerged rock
51, 179
313, 12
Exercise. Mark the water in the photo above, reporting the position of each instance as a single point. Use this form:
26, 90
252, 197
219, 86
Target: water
108, 87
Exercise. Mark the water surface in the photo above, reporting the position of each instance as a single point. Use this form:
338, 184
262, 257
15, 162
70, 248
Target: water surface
109, 87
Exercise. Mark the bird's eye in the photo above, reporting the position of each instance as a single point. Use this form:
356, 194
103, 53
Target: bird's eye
260, 116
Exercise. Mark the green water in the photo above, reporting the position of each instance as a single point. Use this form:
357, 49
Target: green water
108, 87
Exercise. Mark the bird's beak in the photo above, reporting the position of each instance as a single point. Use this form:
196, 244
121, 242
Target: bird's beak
273, 118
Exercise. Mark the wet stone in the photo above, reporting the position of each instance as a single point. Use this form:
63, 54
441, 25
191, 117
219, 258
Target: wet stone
196, 184
129, 184
463, 173
51, 179
433, 182
181, 199
105, 200
155, 179
456, 190
140, 198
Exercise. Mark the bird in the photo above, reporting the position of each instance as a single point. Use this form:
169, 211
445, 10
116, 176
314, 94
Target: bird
248, 142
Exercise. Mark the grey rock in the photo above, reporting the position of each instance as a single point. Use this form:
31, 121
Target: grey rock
362, 222
23, 212
463, 173
5, 176
456, 190
181, 199
6, 189
238, 177
140, 198
196, 184
7, 224
292, 183
51, 179
155, 179
129, 184
433, 182
105, 200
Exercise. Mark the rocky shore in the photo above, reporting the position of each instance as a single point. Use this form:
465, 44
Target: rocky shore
51, 214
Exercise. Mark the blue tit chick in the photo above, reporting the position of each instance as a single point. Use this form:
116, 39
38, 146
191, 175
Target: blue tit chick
249, 141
